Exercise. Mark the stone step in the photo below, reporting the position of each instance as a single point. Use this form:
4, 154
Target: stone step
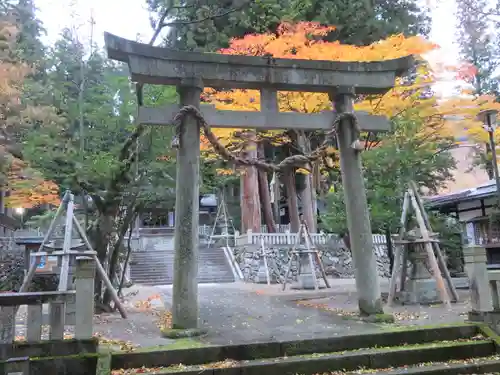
148, 268
156, 267
169, 282
398, 352
205, 278
469, 366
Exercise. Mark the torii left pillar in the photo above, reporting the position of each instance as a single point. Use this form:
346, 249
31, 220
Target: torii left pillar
185, 286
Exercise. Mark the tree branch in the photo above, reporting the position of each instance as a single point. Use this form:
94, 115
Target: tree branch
211, 17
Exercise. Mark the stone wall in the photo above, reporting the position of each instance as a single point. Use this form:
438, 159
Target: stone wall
336, 259
12, 269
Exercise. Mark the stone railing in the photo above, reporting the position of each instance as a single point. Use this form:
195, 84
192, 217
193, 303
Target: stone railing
287, 238
73, 307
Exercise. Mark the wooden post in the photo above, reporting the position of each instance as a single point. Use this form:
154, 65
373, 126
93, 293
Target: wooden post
68, 234
398, 258
477, 272
185, 287
435, 245
358, 216
84, 298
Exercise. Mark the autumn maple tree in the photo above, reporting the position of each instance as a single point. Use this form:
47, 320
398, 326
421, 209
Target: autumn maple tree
27, 187
305, 41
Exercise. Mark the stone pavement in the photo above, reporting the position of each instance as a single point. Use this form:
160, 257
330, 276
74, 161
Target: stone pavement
233, 314
241, 313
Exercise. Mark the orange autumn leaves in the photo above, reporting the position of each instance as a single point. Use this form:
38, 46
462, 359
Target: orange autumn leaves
413, 99
306, 41
28, 188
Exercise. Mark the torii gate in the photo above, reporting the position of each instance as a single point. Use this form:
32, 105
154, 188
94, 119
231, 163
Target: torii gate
192, 71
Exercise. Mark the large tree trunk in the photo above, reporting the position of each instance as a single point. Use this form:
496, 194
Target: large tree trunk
100, 234
307, 195
118, 247
250, 200
103, 228
390, 251
265, 198
293, 207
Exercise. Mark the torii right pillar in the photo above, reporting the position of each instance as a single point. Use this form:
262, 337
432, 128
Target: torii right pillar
358, 215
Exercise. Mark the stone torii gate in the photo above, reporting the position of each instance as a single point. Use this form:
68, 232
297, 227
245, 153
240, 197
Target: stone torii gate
192, 71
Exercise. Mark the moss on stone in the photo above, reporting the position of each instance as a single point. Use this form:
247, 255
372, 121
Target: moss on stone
379, 318
183, 343
489, 333
72, 356
373, 318
172, 333
416, 327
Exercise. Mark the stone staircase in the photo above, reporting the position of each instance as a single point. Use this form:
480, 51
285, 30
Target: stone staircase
156, 267
440, 350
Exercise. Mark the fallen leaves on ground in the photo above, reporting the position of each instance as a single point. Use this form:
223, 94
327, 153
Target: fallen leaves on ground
398, 316
164, 317
126, 346
228, 363
325, 307
425, 364
146, 305
45, 333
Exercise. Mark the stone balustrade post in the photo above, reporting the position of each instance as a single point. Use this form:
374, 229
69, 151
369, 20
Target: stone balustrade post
84, 297
249, 237
477, 272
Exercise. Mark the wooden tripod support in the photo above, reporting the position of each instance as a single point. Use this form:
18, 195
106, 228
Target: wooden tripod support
312, 254
437, 266
68, 204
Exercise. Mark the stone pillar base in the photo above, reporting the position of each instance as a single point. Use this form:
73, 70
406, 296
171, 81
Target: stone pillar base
306, 282
305, 279
261, 277
421, 291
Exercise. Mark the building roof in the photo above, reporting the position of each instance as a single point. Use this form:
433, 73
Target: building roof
484, 190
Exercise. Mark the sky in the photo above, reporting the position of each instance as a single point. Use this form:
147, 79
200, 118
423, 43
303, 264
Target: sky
130, 19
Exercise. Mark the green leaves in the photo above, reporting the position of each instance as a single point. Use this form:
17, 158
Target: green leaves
401, 157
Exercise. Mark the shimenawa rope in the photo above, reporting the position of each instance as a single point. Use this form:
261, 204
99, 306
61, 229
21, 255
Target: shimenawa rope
294, 161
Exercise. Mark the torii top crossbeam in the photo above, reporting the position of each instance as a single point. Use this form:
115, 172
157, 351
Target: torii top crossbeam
158, 65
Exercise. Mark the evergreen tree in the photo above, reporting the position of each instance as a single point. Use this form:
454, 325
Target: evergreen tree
478, 41
479, 49
29, 47
210, 24
362, 22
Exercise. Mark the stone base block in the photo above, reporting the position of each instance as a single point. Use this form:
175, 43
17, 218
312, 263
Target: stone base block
306, 282
421, 291
261, 277
491, 318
